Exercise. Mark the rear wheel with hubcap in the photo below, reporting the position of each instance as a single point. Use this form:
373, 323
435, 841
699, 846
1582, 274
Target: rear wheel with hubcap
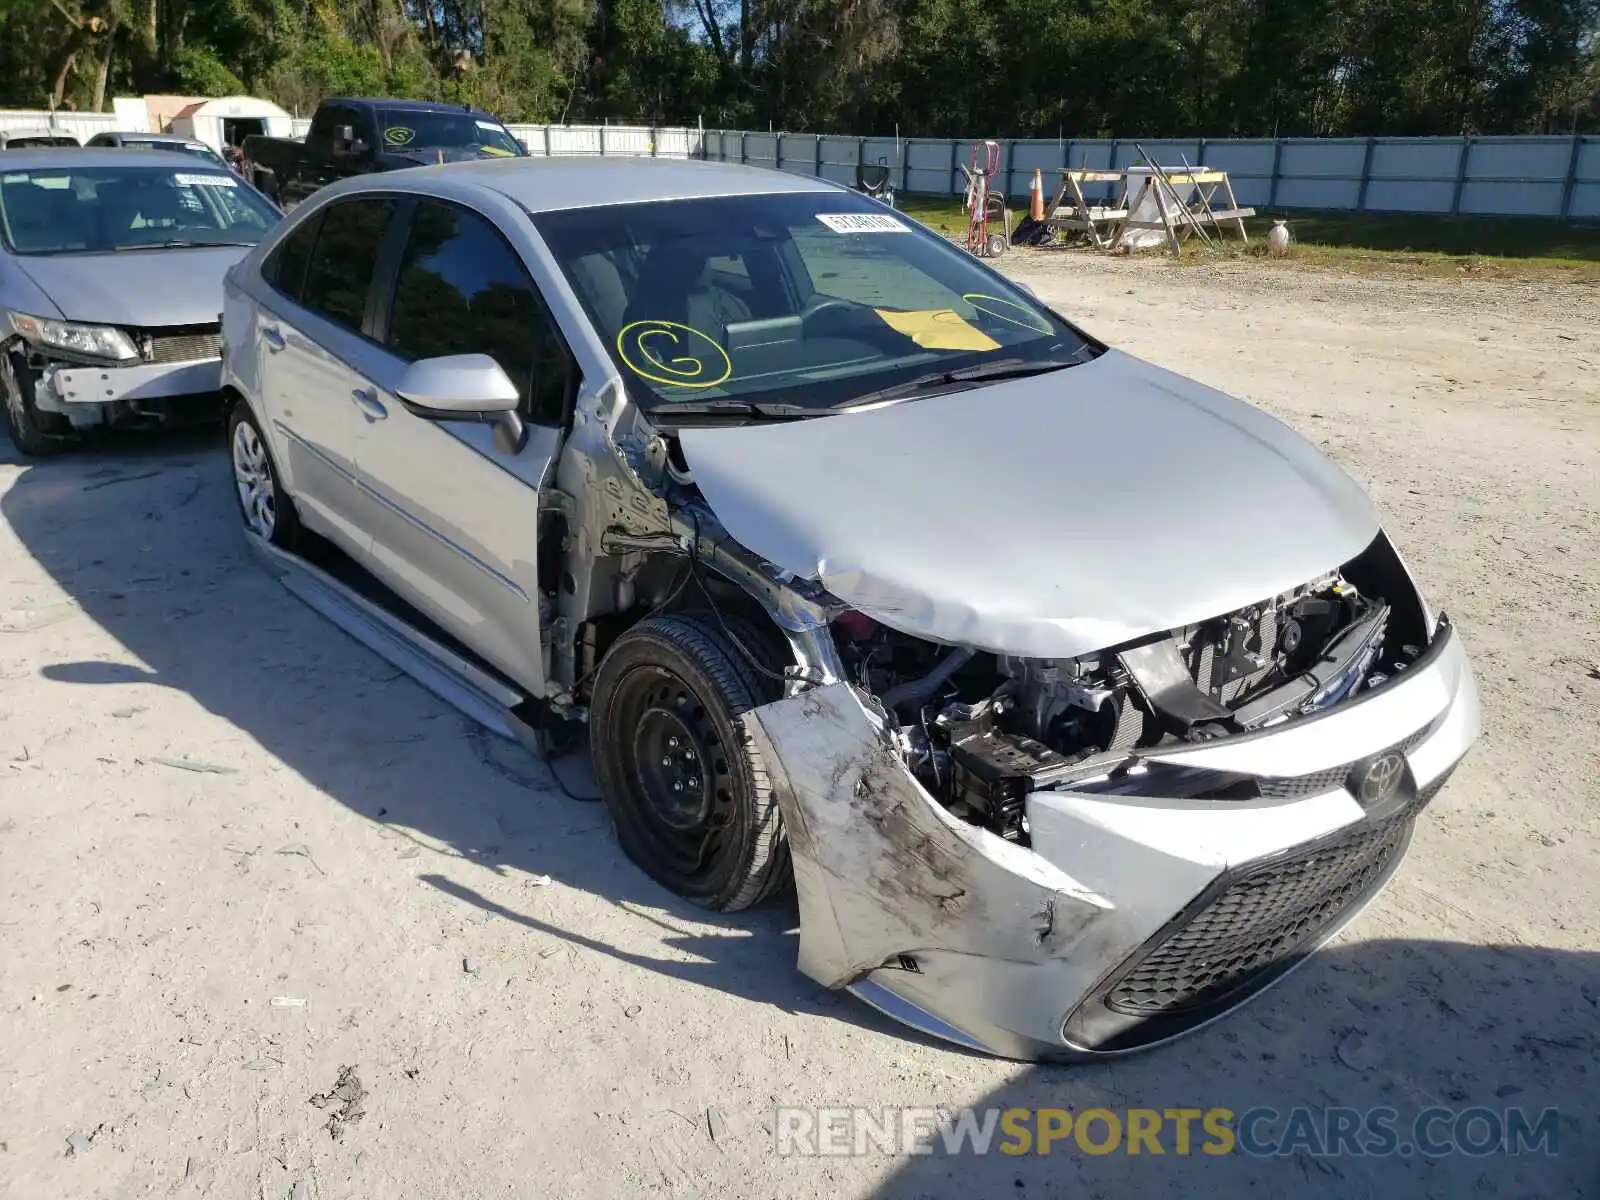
690, 795
267, 511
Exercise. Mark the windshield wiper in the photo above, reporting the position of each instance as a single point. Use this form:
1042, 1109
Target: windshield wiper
176, 244
731, 406
1007, 368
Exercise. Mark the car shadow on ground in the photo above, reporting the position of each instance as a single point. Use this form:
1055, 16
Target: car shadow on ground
143, 535
1462, 1042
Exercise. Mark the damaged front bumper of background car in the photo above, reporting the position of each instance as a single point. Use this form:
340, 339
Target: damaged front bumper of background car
1096, 856
126, 378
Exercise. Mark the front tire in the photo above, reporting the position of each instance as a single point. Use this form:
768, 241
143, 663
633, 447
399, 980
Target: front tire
35, 433
267, 510
690, 795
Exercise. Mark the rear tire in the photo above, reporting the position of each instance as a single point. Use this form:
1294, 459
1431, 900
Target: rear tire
689, 793
35, 433
267, 510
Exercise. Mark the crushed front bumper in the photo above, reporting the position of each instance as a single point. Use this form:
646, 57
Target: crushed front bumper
1134, 918
92, 395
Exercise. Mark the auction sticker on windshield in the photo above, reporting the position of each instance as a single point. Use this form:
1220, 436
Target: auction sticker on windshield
206, 181
862, 223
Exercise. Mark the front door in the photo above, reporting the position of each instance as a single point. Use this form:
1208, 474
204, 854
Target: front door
454, 517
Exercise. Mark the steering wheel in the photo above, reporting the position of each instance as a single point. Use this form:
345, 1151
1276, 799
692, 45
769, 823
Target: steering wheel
819, 304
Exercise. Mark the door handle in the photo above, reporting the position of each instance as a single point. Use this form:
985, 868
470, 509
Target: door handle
273, 338
371, 407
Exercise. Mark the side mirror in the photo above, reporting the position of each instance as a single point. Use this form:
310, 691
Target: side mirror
343, 135
466, 387
1025, 288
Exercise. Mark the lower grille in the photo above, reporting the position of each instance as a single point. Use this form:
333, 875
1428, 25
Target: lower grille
190, 343
1262, 915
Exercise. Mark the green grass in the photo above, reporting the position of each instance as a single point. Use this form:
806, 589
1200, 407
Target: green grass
1520, 247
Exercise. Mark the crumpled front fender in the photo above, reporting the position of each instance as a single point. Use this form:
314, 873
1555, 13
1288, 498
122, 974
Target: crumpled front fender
882, 870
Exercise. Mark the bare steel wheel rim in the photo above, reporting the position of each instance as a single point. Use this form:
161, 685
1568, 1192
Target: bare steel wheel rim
677, 777
252, 477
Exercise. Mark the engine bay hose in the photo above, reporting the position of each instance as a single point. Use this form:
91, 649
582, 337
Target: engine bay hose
919, 690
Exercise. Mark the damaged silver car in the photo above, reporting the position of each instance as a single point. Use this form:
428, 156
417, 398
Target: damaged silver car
1078, 700
111, 265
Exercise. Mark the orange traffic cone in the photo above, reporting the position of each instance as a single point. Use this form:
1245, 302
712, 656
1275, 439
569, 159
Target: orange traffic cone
1036, 201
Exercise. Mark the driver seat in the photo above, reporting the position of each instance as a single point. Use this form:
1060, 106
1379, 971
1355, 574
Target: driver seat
675, 285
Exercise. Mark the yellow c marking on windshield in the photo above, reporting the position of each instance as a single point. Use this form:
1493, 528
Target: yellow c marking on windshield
398, 135
498, 151
634, 348
1034, 322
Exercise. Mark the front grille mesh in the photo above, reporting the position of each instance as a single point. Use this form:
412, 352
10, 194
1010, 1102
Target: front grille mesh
181, 344
1263, 915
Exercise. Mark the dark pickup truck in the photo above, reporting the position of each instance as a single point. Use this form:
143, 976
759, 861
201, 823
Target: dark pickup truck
359, 136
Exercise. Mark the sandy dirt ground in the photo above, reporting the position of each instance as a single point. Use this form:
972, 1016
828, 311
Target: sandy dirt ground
238, 853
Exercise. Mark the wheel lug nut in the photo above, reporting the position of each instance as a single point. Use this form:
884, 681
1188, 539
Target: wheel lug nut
677, 787
666, 762
673, 742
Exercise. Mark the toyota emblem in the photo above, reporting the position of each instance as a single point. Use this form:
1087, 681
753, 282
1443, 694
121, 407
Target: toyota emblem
1381, 779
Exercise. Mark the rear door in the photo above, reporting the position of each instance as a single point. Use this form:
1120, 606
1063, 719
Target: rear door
454, 517
313, 352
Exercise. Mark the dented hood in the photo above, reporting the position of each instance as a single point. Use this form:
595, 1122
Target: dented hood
1046, 517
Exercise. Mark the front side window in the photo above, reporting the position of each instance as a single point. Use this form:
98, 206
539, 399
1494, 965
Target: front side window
461, 289
91, 210
339, 276
806, 300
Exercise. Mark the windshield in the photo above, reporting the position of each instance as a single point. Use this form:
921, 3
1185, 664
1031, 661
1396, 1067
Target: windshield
85, 210
813, 300
415, 129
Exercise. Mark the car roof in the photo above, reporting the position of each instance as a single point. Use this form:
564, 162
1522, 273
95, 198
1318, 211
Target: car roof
148, 137
33, 158
429, 106
554, 184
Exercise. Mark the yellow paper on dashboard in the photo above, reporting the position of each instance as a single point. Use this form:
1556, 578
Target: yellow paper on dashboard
937, 329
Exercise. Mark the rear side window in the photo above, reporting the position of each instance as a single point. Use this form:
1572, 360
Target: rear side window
461, 289
285, 268
339, 277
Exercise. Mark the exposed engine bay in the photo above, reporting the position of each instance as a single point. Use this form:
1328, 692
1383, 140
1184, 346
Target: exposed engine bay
981, 730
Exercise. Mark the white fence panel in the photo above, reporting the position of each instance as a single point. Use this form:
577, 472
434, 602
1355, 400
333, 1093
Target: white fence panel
1249, 167
82, 126
1500, 176
839, 159
927, 168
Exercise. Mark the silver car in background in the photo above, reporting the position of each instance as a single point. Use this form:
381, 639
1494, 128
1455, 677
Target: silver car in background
1079, 701
111, 265
166, 142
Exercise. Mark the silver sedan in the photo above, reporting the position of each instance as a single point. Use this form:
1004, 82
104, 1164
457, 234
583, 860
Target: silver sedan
111, 265
1078, 701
